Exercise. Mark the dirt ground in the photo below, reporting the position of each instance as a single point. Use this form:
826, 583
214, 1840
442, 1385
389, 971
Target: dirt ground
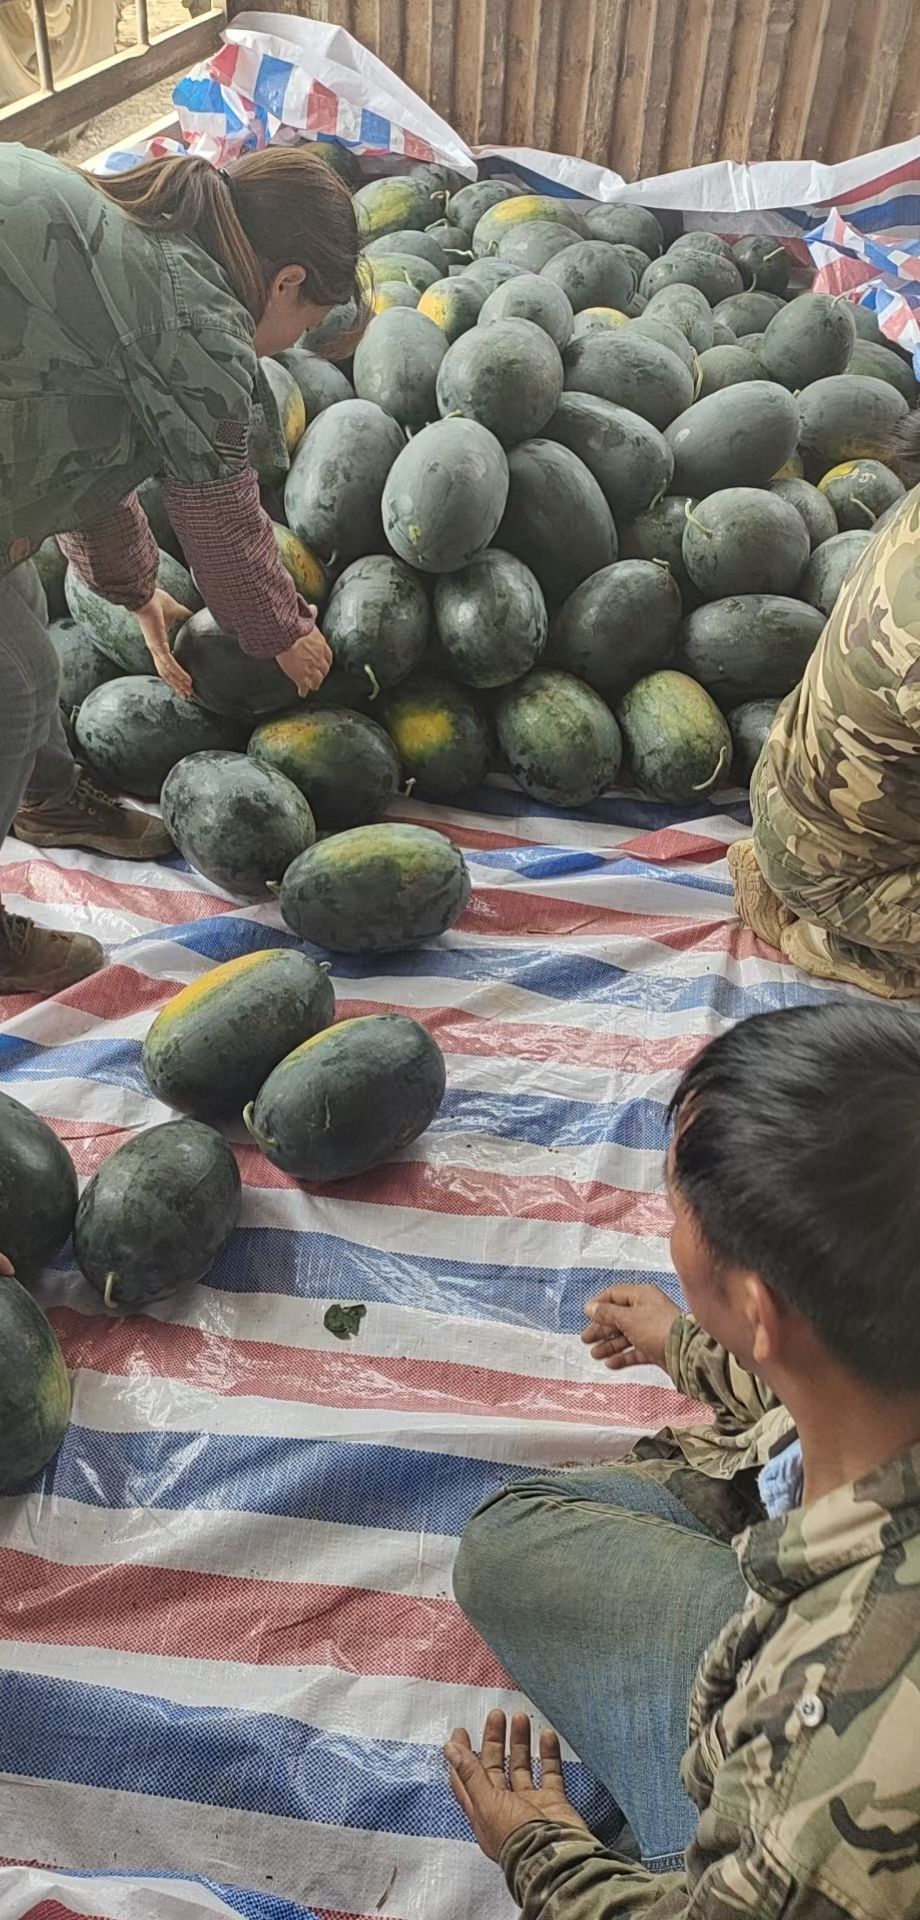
120, 122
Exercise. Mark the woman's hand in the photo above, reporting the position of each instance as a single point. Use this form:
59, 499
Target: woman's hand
156, 620
629, 1326
307, 662
7, 1269
496, 1806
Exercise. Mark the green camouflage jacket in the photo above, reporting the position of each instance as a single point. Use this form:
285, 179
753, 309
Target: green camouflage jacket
836, 792
804, 1759
122, 353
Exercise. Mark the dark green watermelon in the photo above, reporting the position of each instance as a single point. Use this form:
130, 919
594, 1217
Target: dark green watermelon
157, 1213
445, 495
224, 678
618, 625
343, 763
135, 729
508, 376
633, 370
332, 494
750, 726
376, 889
396, 365
745, 540
34, 1388
321, 382
38, 1189
82, 665
350, 1098
490, 619
115, 631
750, 646
214, 1043
630, 460
377, 621
440, 737
830, 566
560, 741
556, 520
237, 823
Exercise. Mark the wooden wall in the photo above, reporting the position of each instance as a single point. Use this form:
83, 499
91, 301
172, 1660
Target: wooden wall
648, 85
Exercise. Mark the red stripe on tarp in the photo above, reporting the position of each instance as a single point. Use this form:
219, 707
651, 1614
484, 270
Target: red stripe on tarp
46, 883
141, 1347
322, 109
189, 1615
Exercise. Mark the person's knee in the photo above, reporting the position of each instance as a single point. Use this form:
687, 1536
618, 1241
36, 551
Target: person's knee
485, 1564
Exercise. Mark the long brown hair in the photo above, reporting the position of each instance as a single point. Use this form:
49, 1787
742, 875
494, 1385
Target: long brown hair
282, 207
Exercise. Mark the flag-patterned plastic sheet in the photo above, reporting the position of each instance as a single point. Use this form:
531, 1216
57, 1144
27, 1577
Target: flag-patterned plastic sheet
231, 1651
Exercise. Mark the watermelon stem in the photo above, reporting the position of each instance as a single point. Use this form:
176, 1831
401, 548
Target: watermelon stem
870, 516
705, 785
698, 374
107, 1299
375, 683
410, 783
690, 515
262, 1140
274, 886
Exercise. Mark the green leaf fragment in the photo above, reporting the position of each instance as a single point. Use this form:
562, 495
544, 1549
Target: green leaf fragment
344, 1321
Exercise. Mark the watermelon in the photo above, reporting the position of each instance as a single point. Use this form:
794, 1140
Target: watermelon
424, 246
292, 419
38, 1190
306, 571
630, 460
859, 491
882, 363
504, 216
453, 305
534, 297
633, 371
350, 1098
453, 242
556, 520
395, 293
846, 417
619, 624
376, 889
595, 320
725, 367
82, 666
237, 823
445, 495
830, 566
134, 730
115, 631
738, 437
51, 567
439, 735
156, 1214
749, 312
750, 726
686, 309
487, 274
34, 1388
377, 621
466, 207
398, 200
701, 240
810, 339
591, 274
656, 325
750, 646
533, 245
507, 376
817, 513
320, 382
763, 263
745, 540
713, 274
212, 1045
396, 365
409, 267
344, 764
560, 742
224, 678
624, 225
332, 495
658, 535
490, 619
335, 336
677, 743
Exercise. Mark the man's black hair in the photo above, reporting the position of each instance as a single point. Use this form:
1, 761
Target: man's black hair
797, 1149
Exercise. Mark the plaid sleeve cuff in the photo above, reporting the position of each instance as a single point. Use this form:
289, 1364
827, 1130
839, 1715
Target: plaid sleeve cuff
229, 542
116, 556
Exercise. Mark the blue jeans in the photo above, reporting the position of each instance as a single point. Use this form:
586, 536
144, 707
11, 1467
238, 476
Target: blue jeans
600, 1592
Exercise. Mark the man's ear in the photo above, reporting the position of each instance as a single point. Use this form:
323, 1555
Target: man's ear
764, 1313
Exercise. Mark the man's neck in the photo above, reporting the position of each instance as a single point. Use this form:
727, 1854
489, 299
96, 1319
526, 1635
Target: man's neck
846, 1429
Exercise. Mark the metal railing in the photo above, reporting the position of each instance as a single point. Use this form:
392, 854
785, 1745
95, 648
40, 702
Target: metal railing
57, 106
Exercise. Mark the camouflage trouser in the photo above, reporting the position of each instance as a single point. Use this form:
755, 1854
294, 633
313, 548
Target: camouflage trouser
35, 759
872, 918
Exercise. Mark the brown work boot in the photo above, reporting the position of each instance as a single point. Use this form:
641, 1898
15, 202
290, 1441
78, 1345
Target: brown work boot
827, 957
36, 960
756, 905
90, 818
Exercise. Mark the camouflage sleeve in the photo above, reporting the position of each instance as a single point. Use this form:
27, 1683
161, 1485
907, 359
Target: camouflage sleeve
565, 1873
702, 1370
193, 390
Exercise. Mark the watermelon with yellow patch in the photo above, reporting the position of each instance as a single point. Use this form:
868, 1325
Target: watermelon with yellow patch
343, 763
34, 1388
439, 735
859, 491
377, 889
264, 454
215, 1042
401, 200
305, 569
507, 214
597, 320
453, 304
350, 1098
394, 293
408, 267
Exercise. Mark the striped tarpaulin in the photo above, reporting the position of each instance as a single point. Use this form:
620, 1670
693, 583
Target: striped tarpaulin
231, 1651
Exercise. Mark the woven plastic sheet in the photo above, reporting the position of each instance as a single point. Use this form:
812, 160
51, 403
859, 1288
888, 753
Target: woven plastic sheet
231, 1651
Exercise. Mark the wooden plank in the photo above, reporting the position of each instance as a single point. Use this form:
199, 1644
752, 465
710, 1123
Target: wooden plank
829, 76
603, 82
492, 82
547, 29
416, 68
390, 32
364, 22
578, 21
770, 76
42, 46
901, 122
744, 64
665, 50
521, 81
628, 110
874, 51
45, 115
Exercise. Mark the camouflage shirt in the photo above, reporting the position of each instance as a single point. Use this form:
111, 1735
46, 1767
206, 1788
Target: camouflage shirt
804, 1759
122, 353
836, 792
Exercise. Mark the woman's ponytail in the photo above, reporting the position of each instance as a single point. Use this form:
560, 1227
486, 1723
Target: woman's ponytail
278, 208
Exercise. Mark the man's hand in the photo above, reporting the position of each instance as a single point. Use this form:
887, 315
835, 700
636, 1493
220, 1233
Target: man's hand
307, 662
629, 1326
494, 1808
156, 621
